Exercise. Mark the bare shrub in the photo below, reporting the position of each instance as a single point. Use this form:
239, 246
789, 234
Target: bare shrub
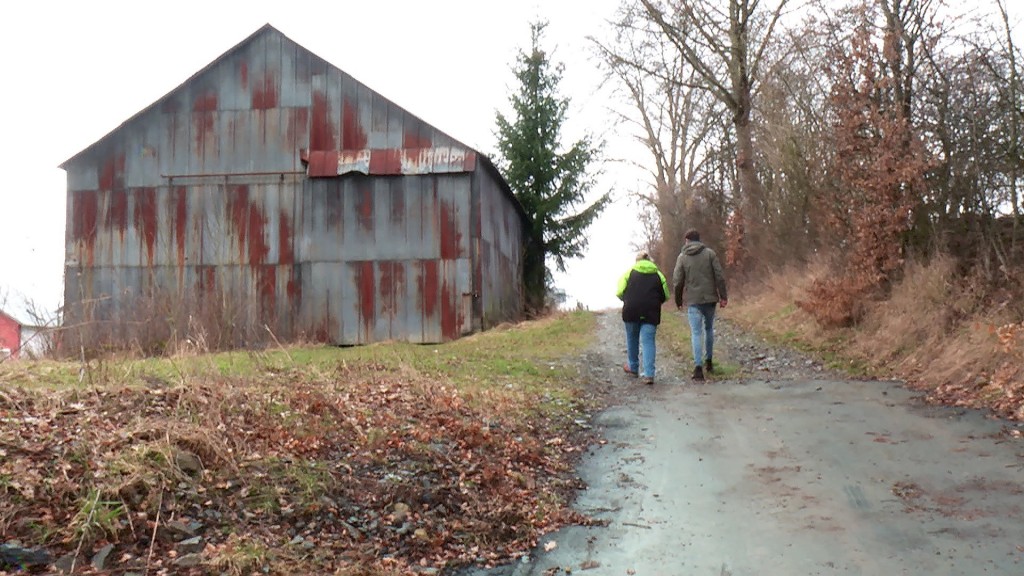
161, 323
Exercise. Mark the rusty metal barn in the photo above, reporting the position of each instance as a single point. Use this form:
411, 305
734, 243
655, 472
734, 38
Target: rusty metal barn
273, 196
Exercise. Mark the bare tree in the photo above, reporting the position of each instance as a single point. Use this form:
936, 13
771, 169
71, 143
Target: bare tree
725, 43
674, 122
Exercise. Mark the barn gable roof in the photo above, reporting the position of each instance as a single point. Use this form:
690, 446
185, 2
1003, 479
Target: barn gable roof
479, 159
265, 30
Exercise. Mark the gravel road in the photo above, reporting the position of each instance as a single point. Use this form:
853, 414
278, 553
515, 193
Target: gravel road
790, 470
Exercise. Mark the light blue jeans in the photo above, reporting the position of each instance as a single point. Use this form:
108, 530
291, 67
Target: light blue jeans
640, 344
702, 331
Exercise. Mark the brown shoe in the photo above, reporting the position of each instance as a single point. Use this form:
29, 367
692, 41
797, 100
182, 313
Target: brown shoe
649, 380
625, 368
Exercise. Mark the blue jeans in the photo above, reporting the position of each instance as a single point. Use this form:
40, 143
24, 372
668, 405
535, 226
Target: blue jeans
641, 336
702, 331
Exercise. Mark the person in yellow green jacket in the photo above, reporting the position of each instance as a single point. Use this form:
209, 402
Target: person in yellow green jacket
643, 289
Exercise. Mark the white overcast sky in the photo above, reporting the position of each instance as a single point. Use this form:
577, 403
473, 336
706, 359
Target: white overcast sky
73, 71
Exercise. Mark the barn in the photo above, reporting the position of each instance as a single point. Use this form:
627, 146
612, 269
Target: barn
10, 336
273, 197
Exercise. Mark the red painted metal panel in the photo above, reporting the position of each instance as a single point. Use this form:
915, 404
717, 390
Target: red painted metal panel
323, 163
387, 161
10, 335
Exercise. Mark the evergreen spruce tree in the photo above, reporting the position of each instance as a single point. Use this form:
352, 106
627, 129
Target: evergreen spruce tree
550, 181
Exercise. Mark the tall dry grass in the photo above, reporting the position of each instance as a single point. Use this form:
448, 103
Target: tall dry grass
938, 330
769, 305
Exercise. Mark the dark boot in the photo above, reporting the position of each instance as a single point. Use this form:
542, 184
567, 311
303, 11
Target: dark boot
709, 366
698, 373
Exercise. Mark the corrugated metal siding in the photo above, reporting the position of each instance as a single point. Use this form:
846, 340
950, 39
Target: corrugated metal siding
388, 258
500, 262
198, 212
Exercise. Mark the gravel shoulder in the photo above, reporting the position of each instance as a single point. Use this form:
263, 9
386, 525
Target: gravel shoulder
789, 470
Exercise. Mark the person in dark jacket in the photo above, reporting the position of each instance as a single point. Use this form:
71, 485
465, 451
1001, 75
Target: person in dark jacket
643, 289
699, 275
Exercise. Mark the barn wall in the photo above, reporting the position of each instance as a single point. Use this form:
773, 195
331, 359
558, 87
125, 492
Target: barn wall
501, 241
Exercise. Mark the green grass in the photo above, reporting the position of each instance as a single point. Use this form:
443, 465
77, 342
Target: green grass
514, 352
97, 517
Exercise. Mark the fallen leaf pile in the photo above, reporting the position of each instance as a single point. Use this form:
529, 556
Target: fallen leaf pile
368, 469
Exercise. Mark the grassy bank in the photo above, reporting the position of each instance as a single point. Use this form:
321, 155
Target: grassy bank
383, 459
939, 332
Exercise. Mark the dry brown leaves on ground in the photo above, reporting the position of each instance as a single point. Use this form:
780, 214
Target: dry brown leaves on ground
369, 471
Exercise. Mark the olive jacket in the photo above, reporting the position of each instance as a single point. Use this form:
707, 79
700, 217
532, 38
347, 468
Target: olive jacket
698, 275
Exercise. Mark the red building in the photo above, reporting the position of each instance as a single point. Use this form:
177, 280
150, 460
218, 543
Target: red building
10, 336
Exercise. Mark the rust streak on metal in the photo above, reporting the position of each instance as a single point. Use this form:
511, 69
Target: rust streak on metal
86, 215
429, 286
450, 235
117, 212
180, 224
367, 302
146, 221
264, 96
112, 173
321, 136
258, 248
353, 137
450, 312
412, 139
238, 205
266, 287
285, 243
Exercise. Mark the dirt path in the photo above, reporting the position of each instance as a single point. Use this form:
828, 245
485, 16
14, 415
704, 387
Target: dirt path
791, 472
